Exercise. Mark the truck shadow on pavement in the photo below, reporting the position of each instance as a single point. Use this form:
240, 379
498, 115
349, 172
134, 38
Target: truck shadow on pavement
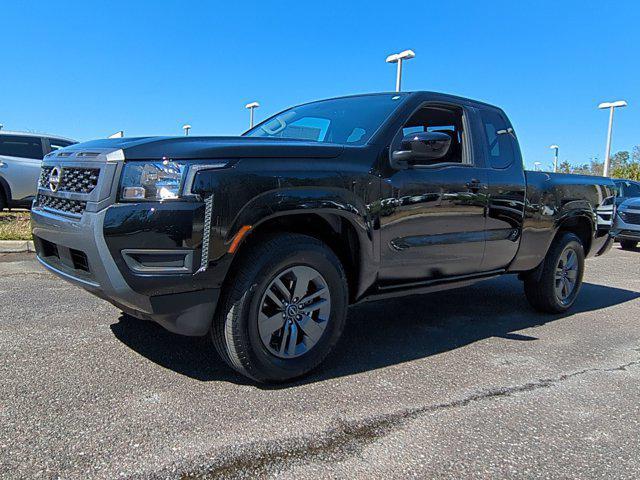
383, 333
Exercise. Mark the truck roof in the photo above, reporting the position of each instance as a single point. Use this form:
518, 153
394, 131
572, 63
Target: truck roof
435, 95
32, 134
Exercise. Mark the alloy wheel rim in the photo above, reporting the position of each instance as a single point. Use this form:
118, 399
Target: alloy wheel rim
294, 311
566, 274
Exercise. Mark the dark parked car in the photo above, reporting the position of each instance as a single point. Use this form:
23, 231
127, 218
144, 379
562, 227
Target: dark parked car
264, 240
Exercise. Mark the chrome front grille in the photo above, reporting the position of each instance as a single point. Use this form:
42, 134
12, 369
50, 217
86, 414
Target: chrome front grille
45, 172
73, 207
73, 179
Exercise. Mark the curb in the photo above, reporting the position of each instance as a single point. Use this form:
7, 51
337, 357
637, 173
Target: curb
16, 246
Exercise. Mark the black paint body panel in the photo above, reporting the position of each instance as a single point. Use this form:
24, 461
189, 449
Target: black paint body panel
412, 225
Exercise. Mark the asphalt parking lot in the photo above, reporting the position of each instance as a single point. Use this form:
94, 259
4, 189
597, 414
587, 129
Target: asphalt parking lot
469, 383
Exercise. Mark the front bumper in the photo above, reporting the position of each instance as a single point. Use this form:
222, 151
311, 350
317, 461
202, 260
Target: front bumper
76, 250
625, 231
626, 235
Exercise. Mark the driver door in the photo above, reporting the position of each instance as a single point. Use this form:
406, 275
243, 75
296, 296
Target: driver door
435, 220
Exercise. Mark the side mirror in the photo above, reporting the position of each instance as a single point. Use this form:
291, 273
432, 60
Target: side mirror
421, 148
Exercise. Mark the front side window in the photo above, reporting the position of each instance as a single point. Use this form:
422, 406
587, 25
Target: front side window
21, 146
443, 120
498, 140
350, 120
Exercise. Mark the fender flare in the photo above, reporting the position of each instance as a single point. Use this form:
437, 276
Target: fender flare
328, 203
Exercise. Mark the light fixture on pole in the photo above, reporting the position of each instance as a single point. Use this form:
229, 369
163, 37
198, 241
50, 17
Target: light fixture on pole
251, 106
398, 58
536, 166
611, 106
186, 127
555, 156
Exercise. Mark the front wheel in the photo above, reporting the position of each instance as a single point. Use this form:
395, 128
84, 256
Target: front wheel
556, 287
628, 244
284, 310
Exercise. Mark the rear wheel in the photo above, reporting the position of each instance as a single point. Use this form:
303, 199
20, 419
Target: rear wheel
556, 287
284, 310
628, 244
3, 201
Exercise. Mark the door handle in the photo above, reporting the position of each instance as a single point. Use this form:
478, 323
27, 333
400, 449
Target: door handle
2, 164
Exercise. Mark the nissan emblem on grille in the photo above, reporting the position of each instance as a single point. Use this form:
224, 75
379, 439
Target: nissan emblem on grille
70, 179
54, 178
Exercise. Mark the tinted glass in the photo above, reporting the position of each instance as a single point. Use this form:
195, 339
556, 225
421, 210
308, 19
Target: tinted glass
632, 190
343, 120
56, 144
499, 145
441, 120
18, 146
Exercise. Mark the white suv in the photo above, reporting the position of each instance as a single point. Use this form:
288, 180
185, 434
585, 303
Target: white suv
20, 158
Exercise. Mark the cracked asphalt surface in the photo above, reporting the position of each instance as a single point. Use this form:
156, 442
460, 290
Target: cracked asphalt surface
468, 383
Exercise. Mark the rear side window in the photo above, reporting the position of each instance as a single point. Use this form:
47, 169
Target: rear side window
18, 146
499, 143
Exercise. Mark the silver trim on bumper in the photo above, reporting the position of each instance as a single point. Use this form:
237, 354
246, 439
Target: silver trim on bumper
86, 235
67, 276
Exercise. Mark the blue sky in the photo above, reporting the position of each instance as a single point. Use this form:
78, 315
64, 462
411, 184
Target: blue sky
86, 70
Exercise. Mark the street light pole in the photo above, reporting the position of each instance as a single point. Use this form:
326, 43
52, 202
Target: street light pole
186, 129
251, 106
399, 58
555, 158
611, 106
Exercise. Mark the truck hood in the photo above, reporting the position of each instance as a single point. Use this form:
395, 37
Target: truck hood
192, 148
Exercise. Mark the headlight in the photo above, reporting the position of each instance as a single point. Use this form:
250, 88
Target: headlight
160, 180
623, 215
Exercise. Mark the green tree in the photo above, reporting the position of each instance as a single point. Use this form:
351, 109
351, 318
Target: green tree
624, 165
565, 167
584, 169
619, 159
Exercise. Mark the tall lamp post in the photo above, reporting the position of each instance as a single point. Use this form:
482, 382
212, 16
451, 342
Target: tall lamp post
555, 156
186, 127
611, 106
399, 58
251, 107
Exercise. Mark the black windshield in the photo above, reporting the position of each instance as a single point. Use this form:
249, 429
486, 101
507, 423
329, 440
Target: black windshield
349, 120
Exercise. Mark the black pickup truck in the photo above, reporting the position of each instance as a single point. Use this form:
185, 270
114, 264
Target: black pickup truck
262, 241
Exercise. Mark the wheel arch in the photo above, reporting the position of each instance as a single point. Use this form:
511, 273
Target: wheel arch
340, 233
581, 225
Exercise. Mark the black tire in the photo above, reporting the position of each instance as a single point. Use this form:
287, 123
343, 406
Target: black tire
628, 244
540, 286
3, 201
235, 330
